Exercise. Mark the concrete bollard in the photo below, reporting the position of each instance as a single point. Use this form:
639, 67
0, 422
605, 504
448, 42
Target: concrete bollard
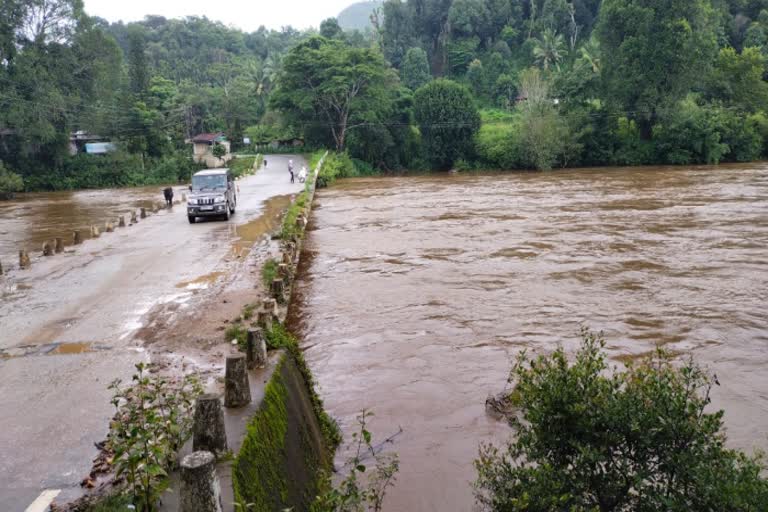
134, 220
287, 259
237, 390
256, 349
208, 432
154, 208
24, 261
77, 239
278, 290
108, 227
59, 245
143, 213
270, 306
301, 222
264, 320
121, 221
47, 249
200, 490
94, 232
183, 198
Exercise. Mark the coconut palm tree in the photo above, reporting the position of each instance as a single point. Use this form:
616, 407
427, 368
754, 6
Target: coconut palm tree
590, 54
549, 49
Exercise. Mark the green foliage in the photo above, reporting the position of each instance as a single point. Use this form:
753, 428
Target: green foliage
289, 229
590, 438
10, 182
335, 166
361, 490
153, 420
269, 272
737, 79
242, 165
118, 503
415, 69
236, 332
448, 119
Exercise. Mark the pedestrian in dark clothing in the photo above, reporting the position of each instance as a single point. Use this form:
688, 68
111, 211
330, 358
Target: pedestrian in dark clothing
265, 163
168, 194
290, 169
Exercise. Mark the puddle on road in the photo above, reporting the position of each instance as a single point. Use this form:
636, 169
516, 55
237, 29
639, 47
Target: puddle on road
202, 282
72, 348
250, 232
53, 349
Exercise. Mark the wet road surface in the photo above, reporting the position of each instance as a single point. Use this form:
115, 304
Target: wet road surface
67, 324
419, 291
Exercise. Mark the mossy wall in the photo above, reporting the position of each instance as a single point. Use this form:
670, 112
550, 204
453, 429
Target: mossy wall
284, 454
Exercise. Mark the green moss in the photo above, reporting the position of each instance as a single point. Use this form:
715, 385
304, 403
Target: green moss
280, 337
259, 476
269, 272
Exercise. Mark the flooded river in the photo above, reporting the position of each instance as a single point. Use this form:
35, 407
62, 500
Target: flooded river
417, 292
32, 219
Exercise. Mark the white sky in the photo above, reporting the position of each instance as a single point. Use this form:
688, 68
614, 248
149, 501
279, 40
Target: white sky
247, 15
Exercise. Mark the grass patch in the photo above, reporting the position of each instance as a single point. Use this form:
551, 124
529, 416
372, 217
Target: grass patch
237, 331
280, 337
314, 158
269, 271
241, 165
289, 228
248, 311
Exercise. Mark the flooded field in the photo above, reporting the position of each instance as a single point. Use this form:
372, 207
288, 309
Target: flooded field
32, 219
416, 292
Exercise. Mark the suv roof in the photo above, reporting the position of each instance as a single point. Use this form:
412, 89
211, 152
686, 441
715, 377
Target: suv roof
210, 172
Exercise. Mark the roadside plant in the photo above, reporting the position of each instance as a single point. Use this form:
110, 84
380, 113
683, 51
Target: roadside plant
153, 420
219, 150
592, 439
364, 488
269, 271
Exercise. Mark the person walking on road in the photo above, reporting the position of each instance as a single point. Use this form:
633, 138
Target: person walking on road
290, 168
168, 194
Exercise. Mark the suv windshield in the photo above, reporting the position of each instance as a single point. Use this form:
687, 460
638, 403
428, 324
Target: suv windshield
209, 182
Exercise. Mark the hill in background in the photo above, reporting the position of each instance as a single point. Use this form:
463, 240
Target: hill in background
358, 16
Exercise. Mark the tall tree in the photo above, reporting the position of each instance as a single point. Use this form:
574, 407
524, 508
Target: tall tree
138, 71
415, 69
327, 82
549, 49
448, 119
654, 51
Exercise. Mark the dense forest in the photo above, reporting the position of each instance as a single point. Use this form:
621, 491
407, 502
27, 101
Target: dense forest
427, 84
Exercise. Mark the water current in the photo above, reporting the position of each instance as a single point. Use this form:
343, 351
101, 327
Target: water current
416, 293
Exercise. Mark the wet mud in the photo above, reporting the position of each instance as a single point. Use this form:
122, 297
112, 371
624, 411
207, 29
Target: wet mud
415, 294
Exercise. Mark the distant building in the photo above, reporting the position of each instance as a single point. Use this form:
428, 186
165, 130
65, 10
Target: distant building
202, 149
81, 139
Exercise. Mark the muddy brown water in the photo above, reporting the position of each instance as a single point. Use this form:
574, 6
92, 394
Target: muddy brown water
31, 219
416, 293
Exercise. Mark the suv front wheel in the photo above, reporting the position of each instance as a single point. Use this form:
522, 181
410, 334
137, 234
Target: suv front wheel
226, 212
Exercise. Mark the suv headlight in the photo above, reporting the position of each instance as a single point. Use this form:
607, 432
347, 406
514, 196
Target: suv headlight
219, 199
191, 201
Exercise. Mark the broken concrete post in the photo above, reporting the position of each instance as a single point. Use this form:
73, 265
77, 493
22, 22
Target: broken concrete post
94, 232
47, 249
134, 220
59, 245
108, 227
301, 222
208, 431
270, 306
77, 239
154, 208
200, 490
287, 260
143, 213
24, 261
237, 390
256, 349
278, 290
264, 320
121, 221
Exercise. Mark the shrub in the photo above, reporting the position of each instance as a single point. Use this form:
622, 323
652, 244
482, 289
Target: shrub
237, 332
241, 165
153, 420
592, 439
289, 228
268, 272
335, 166
10, 182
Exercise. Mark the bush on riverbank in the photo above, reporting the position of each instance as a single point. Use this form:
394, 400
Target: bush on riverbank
592, 439
335, 166
10, 183
111, 171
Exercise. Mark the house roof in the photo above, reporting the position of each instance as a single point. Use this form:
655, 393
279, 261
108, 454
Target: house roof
209, 137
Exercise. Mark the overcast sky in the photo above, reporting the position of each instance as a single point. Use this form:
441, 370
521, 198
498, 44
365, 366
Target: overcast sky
247, 15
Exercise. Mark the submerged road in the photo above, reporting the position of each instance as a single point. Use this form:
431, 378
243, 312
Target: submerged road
66, 332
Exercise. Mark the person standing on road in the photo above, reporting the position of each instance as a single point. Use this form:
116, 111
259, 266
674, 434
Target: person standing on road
290, 168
